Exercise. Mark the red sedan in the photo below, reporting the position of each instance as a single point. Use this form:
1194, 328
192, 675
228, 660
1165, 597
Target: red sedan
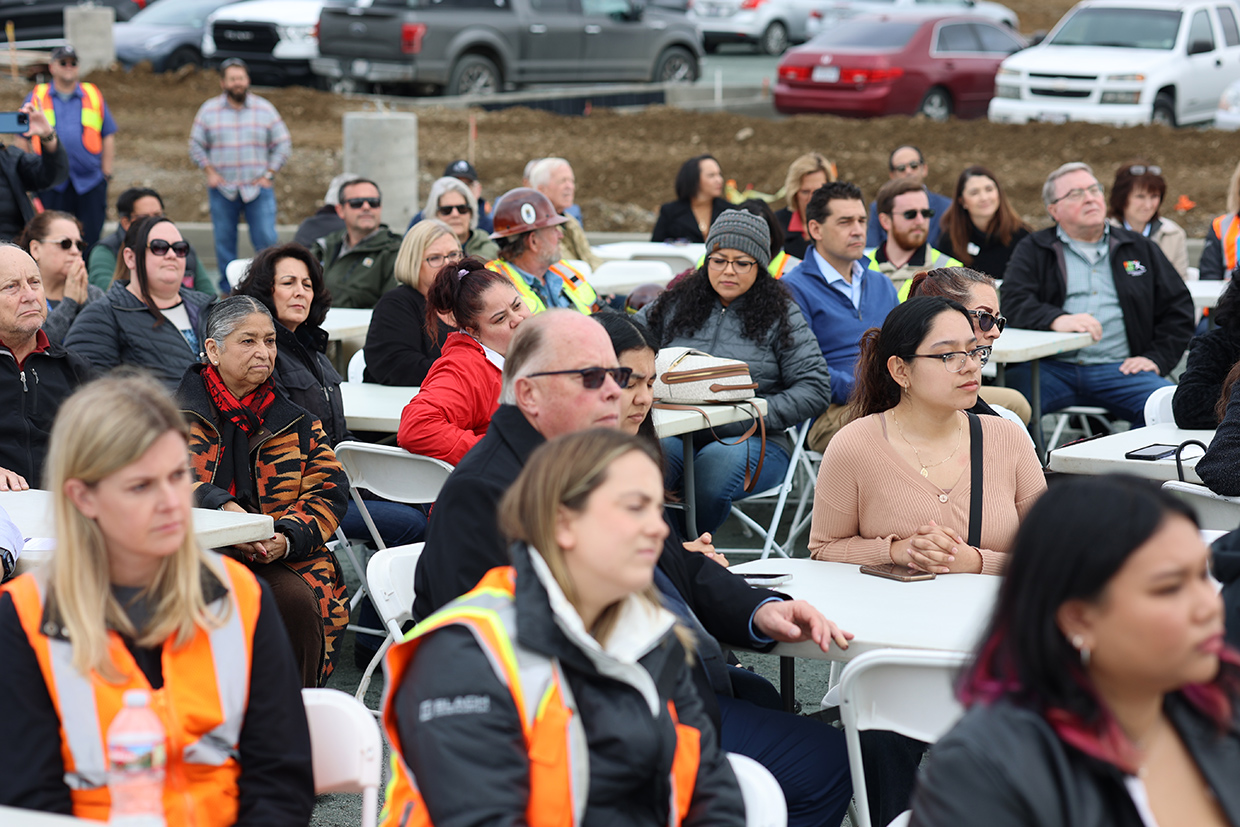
897, 65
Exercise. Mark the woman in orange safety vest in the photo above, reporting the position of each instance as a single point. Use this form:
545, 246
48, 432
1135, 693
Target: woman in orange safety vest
557, 691
128, 602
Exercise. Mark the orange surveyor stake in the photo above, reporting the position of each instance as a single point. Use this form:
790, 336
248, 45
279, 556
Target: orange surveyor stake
1184, 204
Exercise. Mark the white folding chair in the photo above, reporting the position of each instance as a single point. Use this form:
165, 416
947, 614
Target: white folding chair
1158, 406
357, 367
389, 577
622, 276
346, 749
1006, 414
1214, 511
779, 495
1083, 414
764, 799
582, 267
909, 691
235, 271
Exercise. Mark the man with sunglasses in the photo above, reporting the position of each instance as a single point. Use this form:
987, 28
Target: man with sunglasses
1084, 275
359, 260
905, 213
908, 162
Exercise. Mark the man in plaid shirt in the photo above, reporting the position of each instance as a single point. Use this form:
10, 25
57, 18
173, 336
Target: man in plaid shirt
240, 141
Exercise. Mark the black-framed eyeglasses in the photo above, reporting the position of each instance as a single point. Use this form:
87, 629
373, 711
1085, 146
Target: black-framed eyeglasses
593, 378
459, 209
955, 360
909, 215
1142, 169
1079, 193
358, 203
453, 257
67, 244
740, 266
986, 320
160, 247
913, 165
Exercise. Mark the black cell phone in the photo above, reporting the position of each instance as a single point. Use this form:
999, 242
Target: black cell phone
894, 571
14, 123
1152, 452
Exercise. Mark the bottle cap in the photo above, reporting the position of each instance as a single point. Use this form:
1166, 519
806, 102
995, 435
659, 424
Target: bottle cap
137, 697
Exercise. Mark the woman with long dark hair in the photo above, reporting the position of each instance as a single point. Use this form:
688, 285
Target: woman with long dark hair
981, 227
699, 200
1102, 691
1210, 357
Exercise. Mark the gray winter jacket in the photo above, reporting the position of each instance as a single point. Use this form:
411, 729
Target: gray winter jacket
59, 320
121, 330
793, 380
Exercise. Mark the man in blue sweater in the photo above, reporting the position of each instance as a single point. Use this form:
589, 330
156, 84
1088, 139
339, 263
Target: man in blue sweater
839, 297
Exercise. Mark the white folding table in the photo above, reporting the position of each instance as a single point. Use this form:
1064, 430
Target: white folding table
372, 407
1019, 345
1105, 455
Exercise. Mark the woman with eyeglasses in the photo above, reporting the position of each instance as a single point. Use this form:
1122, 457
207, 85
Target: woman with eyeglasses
731, 307
54, 241
699, 201
981, 227
148, 319
453, 408
400, 347
454, 203
1135, 199
977, 293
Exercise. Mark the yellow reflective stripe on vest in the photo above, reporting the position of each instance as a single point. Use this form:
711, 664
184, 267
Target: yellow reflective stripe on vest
232, 681
576, 288
532, 301
92, 117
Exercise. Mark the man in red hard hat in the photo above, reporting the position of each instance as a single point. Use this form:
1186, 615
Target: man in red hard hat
527, 229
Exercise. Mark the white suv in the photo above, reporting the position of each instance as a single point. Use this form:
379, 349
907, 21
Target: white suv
1125, 62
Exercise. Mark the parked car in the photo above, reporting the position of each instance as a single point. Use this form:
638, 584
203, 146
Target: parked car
274, 37
896, 65
168, 34
771, 25
40, 24
833, 11
1125, 62
483, 46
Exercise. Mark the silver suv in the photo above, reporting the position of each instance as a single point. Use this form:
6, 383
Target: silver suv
465, 47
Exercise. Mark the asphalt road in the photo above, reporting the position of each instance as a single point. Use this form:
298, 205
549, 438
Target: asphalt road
739, 66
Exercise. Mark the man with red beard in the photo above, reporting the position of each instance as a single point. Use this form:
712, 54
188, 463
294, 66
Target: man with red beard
904, 213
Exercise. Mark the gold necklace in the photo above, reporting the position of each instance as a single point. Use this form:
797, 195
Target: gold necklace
925, 469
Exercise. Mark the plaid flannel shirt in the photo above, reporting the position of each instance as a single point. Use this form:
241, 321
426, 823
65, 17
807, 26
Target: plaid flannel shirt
241, 144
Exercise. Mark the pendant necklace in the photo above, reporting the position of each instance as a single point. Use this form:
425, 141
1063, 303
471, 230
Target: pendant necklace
925, 469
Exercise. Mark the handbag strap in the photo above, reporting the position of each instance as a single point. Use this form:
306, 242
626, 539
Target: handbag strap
758, 425
975, 486
1179, 461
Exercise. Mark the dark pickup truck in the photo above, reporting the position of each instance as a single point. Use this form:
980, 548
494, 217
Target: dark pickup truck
464, 47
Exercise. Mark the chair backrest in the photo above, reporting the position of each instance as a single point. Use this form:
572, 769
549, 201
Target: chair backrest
357, 367
1214, 511
1006, 414
1158, 406
389, 577
625, 275
909, 691
393, 473
235, 271
765, 805
346, 749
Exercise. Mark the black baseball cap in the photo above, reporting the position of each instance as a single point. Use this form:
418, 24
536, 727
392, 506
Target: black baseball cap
461, 169
65, 52
231, 62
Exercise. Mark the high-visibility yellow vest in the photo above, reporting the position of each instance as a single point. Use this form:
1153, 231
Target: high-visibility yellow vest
578, 290
92, 116
1227, 237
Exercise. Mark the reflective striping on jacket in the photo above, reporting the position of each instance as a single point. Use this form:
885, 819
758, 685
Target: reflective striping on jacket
92, 116
202, 704
780, 264
578, 290
1228, 240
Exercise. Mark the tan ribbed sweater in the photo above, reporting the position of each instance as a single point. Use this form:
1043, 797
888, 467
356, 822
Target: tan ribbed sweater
868, 496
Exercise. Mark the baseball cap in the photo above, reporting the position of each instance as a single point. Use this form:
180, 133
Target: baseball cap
461, 169
65, 52
233, 61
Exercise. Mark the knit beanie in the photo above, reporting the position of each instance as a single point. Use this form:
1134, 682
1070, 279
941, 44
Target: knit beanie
740, 230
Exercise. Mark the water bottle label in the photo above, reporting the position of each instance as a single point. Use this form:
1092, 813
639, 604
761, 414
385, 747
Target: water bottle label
138, 756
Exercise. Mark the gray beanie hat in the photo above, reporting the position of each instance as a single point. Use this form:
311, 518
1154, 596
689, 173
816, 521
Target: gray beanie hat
740, 230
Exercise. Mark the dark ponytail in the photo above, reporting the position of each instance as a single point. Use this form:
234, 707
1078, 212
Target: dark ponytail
457, 292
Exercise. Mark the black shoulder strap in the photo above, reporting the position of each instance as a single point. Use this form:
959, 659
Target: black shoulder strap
975, 488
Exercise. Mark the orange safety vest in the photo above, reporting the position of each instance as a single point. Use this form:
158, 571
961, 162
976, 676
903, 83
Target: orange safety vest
92, 116
558, 766
578, 290
1228, 239
210, 678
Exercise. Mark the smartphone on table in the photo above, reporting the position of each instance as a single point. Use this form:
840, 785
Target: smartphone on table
14, 123
1152, 452
894, 571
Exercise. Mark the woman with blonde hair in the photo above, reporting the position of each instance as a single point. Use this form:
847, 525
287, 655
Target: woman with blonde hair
580, 671
400, 346
453, 203
130, 602
805, 175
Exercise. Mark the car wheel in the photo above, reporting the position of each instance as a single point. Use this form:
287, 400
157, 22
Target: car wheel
1164, 110
775, 39
184, 56
676, 65
475, 75
936, 105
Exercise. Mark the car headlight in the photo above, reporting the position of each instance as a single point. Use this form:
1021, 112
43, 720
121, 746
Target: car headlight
1007, 73
1230, 101
295, 33
1121, 97
1004, 91
1135, 78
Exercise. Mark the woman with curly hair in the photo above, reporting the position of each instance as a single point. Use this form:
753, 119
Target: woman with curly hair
732, 307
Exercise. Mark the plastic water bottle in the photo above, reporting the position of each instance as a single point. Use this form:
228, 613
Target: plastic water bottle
136, 756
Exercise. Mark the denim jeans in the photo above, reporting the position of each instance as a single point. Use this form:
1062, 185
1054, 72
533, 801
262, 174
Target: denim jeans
398, 524
719, 474
1102, 386
260, 215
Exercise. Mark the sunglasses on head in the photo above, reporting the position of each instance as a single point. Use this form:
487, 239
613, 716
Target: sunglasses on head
459, 209
357, 203
67, 244
1141, 169
160, 247
987, 320
909, 215
593, 378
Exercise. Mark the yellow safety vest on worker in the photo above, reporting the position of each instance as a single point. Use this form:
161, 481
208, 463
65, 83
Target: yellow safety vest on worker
1227, 235
92, 115
578, 290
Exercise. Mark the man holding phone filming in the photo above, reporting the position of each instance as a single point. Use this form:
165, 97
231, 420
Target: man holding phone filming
22, 172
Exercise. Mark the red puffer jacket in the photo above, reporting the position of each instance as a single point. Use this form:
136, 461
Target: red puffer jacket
454, 406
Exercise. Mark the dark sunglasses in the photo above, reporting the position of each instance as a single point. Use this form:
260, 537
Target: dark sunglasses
913, 165
985, 320
593, 378
459, 209
67, 62
160, 247
909, 215
356, 203
67, 244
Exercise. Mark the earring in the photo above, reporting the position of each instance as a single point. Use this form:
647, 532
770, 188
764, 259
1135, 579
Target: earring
1078, 643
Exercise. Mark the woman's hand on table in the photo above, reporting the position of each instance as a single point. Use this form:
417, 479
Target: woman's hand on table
262, 551
704, 545
792, 621
938, 550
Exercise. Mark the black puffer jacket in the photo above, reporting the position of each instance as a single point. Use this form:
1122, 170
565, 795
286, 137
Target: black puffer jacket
24, 172
29, 400
307, 377
1219, 467
1210, 357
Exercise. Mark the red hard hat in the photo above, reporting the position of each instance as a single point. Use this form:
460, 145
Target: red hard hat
523, 210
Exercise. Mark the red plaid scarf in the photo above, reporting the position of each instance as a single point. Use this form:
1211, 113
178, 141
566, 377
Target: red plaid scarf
246, 415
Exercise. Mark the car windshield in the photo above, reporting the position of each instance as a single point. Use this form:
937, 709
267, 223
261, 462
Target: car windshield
180, 13
1122, 28
866, 34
